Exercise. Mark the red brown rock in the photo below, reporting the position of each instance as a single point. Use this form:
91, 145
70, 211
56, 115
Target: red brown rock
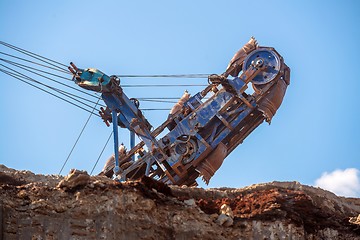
32, 207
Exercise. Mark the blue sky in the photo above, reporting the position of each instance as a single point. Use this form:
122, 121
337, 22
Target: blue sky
315, 132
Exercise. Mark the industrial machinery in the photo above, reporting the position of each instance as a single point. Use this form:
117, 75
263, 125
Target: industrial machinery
201, 130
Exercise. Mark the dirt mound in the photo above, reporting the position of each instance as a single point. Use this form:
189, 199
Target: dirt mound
80, 206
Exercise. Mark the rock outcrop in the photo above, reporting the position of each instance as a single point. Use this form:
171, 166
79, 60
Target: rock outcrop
80, 206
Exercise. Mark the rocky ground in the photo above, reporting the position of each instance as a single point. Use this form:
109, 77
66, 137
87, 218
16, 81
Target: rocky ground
80, 206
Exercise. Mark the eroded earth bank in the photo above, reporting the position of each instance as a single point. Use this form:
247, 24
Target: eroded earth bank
80, 206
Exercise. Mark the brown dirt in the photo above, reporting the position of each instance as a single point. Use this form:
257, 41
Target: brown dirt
38, 206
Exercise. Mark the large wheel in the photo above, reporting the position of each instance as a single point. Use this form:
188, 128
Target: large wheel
263, 56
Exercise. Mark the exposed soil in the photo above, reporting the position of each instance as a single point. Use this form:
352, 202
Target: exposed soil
80, 206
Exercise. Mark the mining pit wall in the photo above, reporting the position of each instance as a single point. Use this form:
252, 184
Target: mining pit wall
80, 206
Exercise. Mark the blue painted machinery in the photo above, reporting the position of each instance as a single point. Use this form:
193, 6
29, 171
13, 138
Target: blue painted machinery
203, 129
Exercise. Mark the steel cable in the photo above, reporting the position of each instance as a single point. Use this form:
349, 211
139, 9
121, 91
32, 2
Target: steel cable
35, 81
36, 63
36, 69
34, 55
102, 151
163, 85
77, 140
33, 85
74, 88
165, 76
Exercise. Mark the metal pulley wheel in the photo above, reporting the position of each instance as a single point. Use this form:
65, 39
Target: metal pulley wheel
260, 57
186, 150
135, 101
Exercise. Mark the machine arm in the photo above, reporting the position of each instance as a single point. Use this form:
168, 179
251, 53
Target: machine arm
206, 127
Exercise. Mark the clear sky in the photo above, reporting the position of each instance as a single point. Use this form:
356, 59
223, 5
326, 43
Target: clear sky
314, 134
